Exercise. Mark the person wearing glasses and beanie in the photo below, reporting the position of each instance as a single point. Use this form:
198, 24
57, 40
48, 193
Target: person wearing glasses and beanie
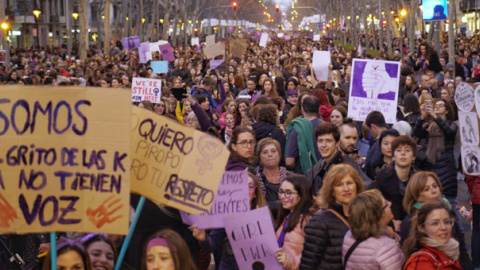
295, 194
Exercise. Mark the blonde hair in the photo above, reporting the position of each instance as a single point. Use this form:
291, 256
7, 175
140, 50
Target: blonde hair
365, 213
335, 174
415, 186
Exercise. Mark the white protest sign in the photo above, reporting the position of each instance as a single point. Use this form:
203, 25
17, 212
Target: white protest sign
477, 100
216, 50
210, 40
320, 62
231, 198
195, 41
468, 127
280, 35
316, 37
464, 97
374, 87
470, 159
263, 40
253, 239
146, 89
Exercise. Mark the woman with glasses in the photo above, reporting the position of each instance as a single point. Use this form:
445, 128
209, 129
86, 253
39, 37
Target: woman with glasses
430, 244
325, 231
370, 243
217, 241
423, 187
242, 149
295, 194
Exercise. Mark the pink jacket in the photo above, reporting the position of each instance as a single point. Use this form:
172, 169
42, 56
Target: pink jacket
381, 253
293, 244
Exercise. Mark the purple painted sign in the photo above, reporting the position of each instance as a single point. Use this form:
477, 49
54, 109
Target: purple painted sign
231, 198
131, 42
253, 239
374, 87
167, 52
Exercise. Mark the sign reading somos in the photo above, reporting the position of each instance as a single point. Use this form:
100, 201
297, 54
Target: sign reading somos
64, 160
175, 165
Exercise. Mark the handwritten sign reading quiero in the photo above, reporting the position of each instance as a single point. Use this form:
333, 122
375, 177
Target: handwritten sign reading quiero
175, 165
64, 163
253, 239
231, 198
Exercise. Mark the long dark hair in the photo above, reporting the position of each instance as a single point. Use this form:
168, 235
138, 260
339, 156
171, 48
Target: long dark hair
234, 139
304, 189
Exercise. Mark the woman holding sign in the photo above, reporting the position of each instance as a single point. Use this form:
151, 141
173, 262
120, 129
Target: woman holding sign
217, 239
295, 193
325, 231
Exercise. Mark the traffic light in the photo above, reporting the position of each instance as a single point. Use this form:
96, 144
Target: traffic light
276, 8
235, 5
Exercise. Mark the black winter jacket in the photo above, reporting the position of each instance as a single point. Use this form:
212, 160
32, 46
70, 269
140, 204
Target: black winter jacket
388, 183
445, 167
323, 240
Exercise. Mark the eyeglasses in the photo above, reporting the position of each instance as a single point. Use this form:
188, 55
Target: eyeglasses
287, 193
439, 105
437, 223
245, 144
192, 120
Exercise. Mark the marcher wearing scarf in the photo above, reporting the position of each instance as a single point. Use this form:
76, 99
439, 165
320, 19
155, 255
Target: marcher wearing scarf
436, 143
450, 248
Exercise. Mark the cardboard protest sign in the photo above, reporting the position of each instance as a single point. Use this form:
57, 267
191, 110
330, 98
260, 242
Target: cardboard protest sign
195, 41
146, 89
320, 62
210, 40
213, 51
131, 42
316, 37
175, 165
374, 87
253, 239
238, 47
159, 66
464, 97
65, 160
231, 198
263, 40
144, 52
167, 52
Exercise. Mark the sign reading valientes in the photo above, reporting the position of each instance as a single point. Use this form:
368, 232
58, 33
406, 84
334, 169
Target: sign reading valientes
175, 165
64, 159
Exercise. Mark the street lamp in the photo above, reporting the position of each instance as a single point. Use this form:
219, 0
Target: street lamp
403, 13
37, 12
75, 17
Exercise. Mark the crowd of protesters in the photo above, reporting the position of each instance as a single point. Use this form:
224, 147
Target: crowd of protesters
343, 194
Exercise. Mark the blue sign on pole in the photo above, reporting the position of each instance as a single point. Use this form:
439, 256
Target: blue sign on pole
435, 10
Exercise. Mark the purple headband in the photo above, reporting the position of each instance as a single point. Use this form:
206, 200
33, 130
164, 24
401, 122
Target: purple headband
292, 92
157, 241
69, 242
